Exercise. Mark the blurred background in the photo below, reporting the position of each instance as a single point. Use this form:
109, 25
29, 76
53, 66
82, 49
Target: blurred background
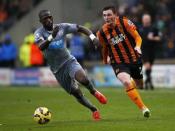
21, 63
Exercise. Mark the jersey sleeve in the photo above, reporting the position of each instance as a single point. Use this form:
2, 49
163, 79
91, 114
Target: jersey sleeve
69, 28
130, 26
38, 36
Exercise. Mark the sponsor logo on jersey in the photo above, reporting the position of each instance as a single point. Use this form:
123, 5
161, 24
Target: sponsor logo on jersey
119, 38
56, 44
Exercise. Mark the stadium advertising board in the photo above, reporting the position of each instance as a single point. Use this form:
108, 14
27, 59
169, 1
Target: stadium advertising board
46, 77
104, 76
25, 76
163, 76
5, 76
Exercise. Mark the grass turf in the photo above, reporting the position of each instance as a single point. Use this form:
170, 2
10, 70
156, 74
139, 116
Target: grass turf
120, 114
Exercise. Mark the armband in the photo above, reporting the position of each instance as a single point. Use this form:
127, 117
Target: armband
92, 36
50, 38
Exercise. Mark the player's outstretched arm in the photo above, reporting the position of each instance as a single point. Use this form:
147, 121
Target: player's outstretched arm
89, 33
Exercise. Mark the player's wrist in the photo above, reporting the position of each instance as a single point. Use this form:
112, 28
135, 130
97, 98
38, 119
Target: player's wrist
137, 47
92, 36
50, 38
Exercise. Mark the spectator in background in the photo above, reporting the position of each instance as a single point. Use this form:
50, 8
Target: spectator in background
151, 37
1, 55
25, 53
30, 55
36, 56
3, 16
9, 52
24, 7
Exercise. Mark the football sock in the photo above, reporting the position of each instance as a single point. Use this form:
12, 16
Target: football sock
83, 100
87, 103
90, 87
134, 96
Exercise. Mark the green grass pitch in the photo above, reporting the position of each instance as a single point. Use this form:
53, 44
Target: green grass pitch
17, 105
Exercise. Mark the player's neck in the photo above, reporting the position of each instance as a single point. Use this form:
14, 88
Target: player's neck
112, 24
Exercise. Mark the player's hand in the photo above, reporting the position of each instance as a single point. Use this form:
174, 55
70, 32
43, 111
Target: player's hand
55, 31
107, 60
138, 50
96, 43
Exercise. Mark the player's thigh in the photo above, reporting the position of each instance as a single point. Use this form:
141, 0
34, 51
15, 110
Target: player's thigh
136, 71
122, 72
124, 77
120, 68
67, 83
75, 69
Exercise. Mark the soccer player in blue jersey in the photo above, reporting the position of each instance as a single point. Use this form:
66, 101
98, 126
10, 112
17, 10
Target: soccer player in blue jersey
50, 40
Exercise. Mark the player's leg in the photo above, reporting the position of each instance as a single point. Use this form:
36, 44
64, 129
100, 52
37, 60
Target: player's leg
82, 78
137, 81
136, 74
77, 72
132, 91
70, 86
76, 92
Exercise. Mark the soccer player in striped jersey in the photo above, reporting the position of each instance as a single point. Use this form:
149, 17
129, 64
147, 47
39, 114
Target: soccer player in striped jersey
50, 39
121, 45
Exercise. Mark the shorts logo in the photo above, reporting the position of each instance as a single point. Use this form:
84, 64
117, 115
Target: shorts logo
141, 71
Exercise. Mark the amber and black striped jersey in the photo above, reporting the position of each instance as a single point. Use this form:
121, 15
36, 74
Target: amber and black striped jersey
118, 43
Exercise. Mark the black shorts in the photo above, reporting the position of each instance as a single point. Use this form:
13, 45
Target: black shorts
148, 55
135, 70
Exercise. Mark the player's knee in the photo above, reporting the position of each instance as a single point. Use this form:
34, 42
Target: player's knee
84, 81
127, 83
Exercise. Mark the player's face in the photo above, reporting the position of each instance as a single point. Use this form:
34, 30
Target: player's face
47, 22
109, 16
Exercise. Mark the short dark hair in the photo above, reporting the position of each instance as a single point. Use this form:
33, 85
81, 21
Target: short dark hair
110, 7
44, 13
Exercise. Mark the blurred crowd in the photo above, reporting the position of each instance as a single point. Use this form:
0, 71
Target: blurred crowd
163, 16
28, 55
13, 10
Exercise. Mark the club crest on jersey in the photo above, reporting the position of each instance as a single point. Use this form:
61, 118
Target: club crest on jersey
117, 39
56, 44
130, 22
